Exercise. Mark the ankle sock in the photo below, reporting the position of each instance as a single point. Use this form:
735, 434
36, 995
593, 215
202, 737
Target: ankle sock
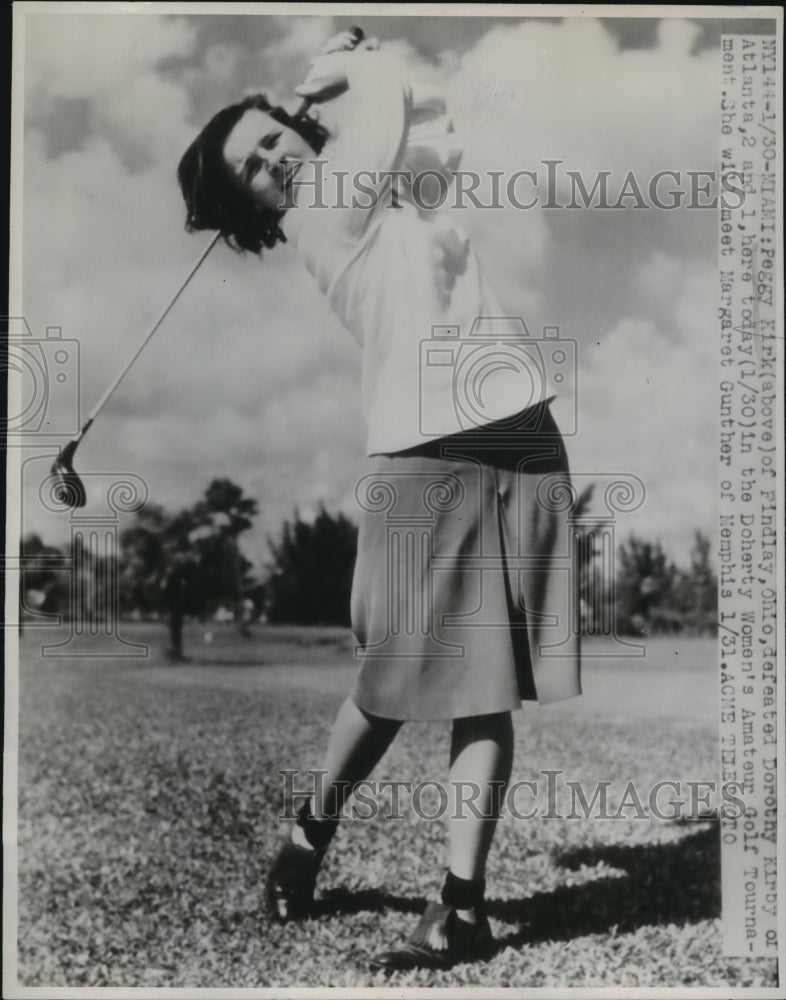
464, 893
299, 839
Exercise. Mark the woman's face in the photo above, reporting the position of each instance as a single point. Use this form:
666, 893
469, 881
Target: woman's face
264, 155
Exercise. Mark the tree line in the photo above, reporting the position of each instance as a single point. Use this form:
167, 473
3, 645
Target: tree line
189, 564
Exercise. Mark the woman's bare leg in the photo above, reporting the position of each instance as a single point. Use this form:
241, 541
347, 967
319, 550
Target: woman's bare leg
481, 757
356, 745
357, 742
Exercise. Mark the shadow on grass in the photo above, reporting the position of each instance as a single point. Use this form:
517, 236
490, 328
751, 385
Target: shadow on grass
676, 883
343, 901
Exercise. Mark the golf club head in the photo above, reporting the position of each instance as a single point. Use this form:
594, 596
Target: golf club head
70, 491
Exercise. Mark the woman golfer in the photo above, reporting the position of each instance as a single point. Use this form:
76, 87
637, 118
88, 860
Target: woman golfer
453, 605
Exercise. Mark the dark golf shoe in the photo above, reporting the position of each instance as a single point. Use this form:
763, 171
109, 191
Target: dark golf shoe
440, 941
289, 887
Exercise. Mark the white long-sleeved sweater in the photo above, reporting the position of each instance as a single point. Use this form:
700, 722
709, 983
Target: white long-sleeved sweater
439, 357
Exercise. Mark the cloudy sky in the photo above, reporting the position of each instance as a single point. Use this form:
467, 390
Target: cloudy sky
252, 377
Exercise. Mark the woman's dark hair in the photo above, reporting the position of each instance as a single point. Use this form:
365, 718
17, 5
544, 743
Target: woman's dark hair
214, 199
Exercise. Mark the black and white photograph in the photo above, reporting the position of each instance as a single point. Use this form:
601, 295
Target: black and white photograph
394, 569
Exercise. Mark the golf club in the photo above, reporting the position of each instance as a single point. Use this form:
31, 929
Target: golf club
70, 490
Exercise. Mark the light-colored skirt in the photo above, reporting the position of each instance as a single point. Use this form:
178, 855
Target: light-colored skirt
465, 598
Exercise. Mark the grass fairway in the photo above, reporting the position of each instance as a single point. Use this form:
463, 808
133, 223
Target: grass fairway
149, 797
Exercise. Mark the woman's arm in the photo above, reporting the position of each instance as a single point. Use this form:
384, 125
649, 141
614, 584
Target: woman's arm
327, 77
367, 119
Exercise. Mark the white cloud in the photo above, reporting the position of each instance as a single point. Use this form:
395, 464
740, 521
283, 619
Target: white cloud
565, 91
647, 403
91, 55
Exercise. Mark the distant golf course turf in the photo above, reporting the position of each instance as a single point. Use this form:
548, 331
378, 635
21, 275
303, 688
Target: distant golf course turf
149, 801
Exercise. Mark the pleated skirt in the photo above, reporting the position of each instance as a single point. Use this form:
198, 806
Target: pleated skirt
465, 596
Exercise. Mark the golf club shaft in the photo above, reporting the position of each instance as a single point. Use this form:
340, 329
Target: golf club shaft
105, 398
